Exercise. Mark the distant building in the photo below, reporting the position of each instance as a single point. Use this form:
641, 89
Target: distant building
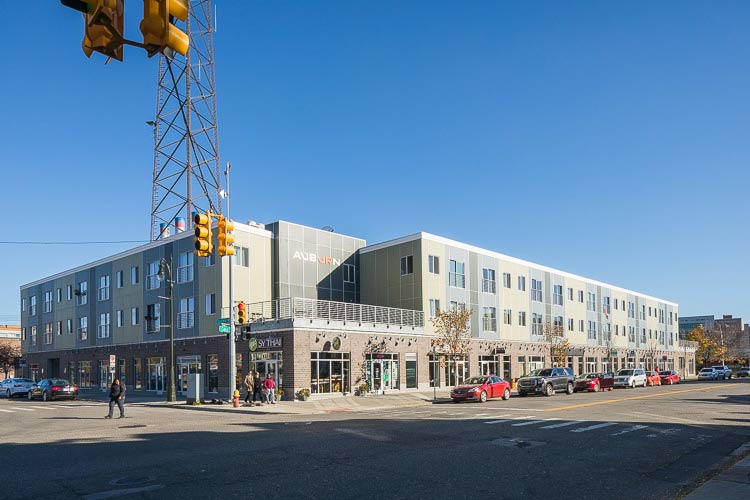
687, 323
728, 330
10, 334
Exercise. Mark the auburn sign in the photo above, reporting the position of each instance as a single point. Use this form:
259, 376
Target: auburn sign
311, 257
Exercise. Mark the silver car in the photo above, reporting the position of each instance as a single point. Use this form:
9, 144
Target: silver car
12, 386
630, 377
708, 374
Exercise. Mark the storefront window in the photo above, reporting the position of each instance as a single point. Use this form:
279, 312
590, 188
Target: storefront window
122, 371
104, 376
590, 365
137, 374
536, 362
268, 362
381, 371
506, 368
434, 371
522, 365
488, 365
213, 373
156, 373
84, 374
238, 376
411, 370
72, 372
329, 372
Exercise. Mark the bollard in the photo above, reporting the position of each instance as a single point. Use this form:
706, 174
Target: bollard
236, 398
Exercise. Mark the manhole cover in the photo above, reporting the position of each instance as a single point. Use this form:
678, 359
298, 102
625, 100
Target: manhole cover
131, 481
516, 443
135, 426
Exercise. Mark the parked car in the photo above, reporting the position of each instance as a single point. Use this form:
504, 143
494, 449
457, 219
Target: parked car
53, 388
652, 378
744, 372
481, 389
547, 381
630, 377
594, 382
12, 386
669, 377
709, 373
724, 371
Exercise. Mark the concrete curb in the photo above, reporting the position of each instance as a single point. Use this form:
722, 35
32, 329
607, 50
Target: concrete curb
732, 479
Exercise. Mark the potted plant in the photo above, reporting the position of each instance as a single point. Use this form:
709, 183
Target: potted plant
279, 394
364, 388
303, 394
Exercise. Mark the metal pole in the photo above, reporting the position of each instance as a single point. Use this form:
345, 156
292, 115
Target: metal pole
172, 393
434, 374
232, 353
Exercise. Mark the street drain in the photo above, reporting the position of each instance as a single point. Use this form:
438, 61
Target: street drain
135, 426
131, 481
516, 443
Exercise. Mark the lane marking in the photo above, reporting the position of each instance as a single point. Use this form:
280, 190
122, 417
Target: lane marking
583, 405
22, 409
532, 422
6, 411
670, 417
41, 407
490, 422
629, 429
592, 427
564, 424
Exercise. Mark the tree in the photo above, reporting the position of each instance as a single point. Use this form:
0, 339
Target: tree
453, 333
709, 348
558, 344
9, 357
651, 347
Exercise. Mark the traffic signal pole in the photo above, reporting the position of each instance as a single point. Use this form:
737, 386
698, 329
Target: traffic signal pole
232, 329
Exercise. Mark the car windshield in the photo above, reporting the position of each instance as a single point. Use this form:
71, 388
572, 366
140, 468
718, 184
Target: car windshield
544, 372
584, 376
475, 381
707, 370
625, 372
58, 381
666, 372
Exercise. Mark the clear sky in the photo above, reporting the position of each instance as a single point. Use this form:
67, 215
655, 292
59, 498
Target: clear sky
601, 138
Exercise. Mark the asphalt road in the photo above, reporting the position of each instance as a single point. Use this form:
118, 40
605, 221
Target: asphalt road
654, 443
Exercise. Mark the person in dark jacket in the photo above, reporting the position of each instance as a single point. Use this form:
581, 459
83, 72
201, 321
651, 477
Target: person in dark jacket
116, 395
258, 388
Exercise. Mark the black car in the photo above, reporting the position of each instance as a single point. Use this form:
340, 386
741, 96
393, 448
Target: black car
53, 388
547, 381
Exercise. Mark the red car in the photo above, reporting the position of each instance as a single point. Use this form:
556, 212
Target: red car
653, 378
481, 389
669, 377
594, 382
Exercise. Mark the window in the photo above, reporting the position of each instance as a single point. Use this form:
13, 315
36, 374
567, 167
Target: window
152, 275
103, 287
210, 304
83, 328
69, 292
118, 279
103, 328
134, 319
615, 304
47, 306
557, 322
536, 290
580, 325
23, 304
186, 315
607, 331
571, 323
631, 334
536, 320
58, 328
507, 316
69, 325
488, 280
48, 333
522, 283
32, 305
605, 306
120, 318
434, 307
348, 273
242, 256
580, 296
23, 333
649, 311
33, 336
592, 330
643, 312
434, 264
671, 338
134, 275
185, 267
570, 294
489, 320
82, 293
522, 318
557, 295
59, 296
456, 277
210, 260
407, 265
631, 310
457, 306
643, 336
153, 322
506, 279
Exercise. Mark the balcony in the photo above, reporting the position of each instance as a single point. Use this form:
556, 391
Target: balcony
312, 313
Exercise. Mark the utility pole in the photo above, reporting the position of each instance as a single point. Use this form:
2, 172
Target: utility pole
232, 328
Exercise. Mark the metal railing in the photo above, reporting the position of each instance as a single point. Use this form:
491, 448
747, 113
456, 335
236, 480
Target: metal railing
326, 310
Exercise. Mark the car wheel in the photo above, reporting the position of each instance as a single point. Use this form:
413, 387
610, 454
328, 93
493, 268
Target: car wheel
632, 384
644, 383
455, 400
549, 390
8, 394
670, 381
522, 394
45, 396
506, 394
483, 397
29, 394
570, 389
596, 387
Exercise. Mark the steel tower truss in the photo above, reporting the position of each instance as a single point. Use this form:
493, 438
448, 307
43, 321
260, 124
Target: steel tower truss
186, 140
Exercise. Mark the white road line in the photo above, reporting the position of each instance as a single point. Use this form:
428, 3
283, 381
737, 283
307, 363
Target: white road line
482, 415
498, 421
629, 429
592, 427
22, 409
514, 409
41, 407
564, 424
355, 432
6, 411
532, 422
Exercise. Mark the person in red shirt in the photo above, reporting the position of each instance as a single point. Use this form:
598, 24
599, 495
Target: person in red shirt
270, 387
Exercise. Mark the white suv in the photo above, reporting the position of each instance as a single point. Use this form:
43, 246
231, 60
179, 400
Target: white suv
724, 371
708, 374
630, 377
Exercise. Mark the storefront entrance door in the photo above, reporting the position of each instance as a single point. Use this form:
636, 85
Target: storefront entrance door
382, 374
269, 366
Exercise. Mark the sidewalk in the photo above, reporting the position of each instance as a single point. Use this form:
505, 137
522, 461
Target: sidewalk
734, 482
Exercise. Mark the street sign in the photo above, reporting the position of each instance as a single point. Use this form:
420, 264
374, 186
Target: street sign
223, 321
112, 361
225, 328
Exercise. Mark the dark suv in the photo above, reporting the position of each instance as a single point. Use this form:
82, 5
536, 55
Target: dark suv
547, 381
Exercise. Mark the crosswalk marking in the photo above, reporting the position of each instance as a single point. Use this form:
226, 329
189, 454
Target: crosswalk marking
564, 424
490, 422
629, 429
22, 409
532, 422
41, 407
592, 427
6, 411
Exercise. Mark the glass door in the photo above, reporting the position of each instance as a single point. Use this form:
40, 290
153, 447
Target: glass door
377, 376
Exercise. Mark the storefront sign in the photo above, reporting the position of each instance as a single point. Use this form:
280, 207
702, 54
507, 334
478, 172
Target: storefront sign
266, 343
311, 257
337, 343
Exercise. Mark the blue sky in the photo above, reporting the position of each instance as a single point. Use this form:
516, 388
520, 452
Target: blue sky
609, 140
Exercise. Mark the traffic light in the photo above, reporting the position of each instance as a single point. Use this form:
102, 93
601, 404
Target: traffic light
225, 237
159, 32
241, 313
103, 26
204, 245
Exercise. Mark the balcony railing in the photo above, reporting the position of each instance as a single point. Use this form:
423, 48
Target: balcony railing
326, 310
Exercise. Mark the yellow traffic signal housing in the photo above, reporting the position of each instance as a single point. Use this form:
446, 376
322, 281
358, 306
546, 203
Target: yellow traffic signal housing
241, 313
103, 28
225, 237
158, 31
203, 240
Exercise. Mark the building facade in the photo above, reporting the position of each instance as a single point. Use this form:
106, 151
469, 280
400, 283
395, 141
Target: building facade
329, 313
10, 335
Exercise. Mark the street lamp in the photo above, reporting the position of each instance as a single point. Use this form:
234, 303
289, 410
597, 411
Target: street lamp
165, 274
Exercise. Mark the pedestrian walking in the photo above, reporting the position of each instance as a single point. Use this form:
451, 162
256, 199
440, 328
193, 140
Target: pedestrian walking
116, 396
249, 384
270, 386
257, 388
